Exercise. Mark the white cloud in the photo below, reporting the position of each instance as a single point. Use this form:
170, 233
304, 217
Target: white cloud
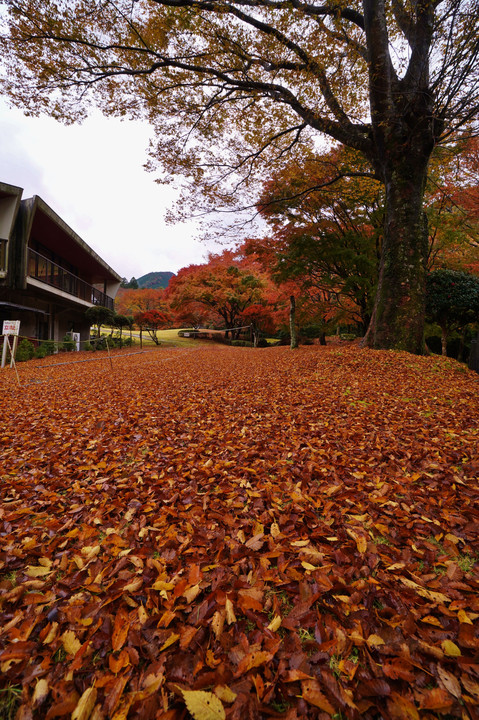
92, 175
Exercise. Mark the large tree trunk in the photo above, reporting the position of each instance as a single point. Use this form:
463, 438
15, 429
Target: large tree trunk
398, 317
292, 322
443, 341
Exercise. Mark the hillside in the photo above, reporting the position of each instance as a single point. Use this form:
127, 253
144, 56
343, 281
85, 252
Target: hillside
155, 280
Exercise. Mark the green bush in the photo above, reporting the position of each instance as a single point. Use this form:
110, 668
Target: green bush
241, 343
454, 346
311, 331
262, 343
47, 347
67, 344
25, 350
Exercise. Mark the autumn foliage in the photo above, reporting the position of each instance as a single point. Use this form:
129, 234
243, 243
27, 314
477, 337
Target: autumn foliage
292, 534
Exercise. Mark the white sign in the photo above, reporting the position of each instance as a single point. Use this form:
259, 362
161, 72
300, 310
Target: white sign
11, 327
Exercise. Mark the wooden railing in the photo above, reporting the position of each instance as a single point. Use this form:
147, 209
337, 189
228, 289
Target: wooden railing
48, 272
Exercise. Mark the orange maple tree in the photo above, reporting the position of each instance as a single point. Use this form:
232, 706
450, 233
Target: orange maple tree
289, 534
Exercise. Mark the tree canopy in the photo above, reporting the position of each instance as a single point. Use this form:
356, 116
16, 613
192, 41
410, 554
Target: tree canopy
234, 86
452, 300
223, 286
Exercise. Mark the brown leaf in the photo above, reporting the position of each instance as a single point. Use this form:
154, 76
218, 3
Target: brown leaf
311, 692
436, 699
253, 659
121, 628
449, 681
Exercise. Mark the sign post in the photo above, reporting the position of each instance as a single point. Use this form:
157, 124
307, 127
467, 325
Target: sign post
10, 327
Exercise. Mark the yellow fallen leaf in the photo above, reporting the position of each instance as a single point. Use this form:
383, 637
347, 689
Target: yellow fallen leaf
225, 693
431, 620
204, 705
300, 543
70, 642
37, 571
162, 585
308, 566
275, 531
230, 613
453, 538
90, 551
374, 640
45, 561
424, 592
191, 592
217, 622
362, 544
133, 585
142, 615
172, 639
85, 705
121, 713
450, 648
396, 566
40, 693
151, 685
52, 633
241, 536
342, 598
464, 618
275, 623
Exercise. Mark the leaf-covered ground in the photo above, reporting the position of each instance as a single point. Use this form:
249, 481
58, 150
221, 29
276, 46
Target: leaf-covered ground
293, 532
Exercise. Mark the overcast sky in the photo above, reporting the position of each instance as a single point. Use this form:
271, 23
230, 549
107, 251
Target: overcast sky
92, 176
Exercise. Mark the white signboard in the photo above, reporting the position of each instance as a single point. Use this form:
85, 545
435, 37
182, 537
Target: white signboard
11, 327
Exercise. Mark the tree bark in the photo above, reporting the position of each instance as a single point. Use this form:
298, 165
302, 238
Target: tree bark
292, 322
398, 317
443, 341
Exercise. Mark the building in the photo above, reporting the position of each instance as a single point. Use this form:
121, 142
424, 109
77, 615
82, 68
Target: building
48, 275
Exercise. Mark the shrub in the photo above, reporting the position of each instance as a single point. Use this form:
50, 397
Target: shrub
262, 343
241, 343
67, 344
313, 330
47, 347
25, 350
284, 338
457, 348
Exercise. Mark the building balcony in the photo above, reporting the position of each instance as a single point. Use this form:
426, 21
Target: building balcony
46, 271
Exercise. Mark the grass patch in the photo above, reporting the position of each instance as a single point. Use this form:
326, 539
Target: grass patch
9, 701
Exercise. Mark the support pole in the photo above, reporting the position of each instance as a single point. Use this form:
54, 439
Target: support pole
109, 355
4, 351
13, 351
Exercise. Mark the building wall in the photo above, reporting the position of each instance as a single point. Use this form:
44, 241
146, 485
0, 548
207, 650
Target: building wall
46, 311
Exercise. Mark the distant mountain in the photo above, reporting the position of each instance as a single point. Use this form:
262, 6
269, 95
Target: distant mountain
155, 280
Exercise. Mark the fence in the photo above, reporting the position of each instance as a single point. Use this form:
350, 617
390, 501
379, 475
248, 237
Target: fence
56, 354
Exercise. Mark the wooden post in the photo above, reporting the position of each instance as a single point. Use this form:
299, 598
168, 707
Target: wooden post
109, 354
4, 351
